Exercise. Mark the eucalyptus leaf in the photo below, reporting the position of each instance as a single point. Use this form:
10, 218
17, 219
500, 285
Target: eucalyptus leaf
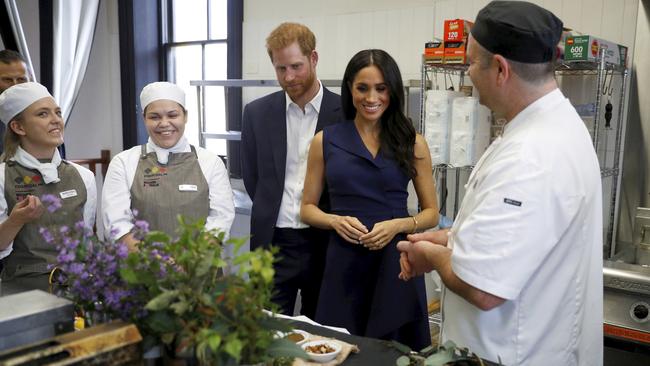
237, 243
403, 361
267, 274
204, 266
282, 347
180, 307
167, 338
161, 322
233, 347
243, 258
214, 341
129, 276
161, 301
439, 359
202, 350
157, 236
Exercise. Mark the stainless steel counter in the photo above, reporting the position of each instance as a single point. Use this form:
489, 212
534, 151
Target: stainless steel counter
10, 287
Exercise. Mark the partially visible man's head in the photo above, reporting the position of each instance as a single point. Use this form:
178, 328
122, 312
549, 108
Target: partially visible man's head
524, 33
292, 48
286, 34
13, 69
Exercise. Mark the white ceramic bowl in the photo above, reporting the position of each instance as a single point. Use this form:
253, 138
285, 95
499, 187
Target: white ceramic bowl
305, 335
322, 357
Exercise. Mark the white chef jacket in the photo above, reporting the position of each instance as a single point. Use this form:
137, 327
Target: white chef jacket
530, 231
301, 127
90, 206
116, 213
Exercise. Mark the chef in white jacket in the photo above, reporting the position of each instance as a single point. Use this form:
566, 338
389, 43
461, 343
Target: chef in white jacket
522, 263
167, 176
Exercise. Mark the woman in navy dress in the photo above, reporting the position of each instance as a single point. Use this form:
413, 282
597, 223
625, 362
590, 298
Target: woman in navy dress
367, 163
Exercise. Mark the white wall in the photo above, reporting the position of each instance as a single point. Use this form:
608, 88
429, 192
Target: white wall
343, 27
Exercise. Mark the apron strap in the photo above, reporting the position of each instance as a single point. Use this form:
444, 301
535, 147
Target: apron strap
143, 151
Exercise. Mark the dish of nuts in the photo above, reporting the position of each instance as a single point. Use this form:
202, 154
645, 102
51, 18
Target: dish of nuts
319, 349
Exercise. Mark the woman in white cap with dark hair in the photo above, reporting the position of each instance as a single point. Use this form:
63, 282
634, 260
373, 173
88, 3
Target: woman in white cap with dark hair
32, 167
167, 176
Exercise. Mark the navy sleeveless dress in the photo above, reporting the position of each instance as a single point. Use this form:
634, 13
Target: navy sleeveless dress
360, 289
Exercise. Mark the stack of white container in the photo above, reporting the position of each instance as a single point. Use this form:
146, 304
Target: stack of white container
456, 128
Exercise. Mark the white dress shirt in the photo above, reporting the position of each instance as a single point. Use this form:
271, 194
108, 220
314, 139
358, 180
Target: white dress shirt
301, 127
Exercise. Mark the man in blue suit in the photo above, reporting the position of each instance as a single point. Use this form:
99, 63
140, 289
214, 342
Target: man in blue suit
276, 133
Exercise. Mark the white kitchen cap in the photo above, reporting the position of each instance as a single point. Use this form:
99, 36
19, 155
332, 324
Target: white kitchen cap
18, 97
161, 90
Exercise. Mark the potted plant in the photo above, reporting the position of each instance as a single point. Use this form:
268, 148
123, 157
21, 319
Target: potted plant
182, 292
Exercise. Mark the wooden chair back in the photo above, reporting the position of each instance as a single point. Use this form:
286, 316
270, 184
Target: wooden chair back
103, 160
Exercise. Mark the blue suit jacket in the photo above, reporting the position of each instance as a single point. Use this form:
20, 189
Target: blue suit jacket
264, 156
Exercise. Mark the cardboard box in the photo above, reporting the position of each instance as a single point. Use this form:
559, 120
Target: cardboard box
586, 48
456, 52
456, 33
457, 30
434, 52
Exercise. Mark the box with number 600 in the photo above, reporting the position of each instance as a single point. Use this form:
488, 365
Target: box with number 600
586, 48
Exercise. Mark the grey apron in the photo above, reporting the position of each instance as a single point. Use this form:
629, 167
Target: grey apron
31, 255
161, 192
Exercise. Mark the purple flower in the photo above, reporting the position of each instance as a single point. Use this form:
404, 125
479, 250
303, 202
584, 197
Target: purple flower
142, 225
65, 257
47, 235
51, 202
76, 268
122, 250
141, 228
91, 268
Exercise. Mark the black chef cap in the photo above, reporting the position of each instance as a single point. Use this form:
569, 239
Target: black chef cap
518, 30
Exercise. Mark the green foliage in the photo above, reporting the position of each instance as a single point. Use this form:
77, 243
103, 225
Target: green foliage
446, 355
196, 303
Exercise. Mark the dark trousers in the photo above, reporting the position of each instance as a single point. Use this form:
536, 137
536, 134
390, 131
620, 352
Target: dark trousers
300, 265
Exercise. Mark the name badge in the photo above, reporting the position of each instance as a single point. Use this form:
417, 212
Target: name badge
188, 188
68, 194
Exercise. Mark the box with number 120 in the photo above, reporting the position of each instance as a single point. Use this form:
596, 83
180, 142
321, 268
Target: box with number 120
456, 33
457, 30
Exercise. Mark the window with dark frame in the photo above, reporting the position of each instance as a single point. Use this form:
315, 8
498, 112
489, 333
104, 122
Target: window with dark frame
201, 40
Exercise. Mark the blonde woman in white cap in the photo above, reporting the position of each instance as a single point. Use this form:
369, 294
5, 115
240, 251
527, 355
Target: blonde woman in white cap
32, 167
167, 176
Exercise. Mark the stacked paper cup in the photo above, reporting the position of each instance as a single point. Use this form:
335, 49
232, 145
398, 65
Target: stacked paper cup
469, 133
437, 120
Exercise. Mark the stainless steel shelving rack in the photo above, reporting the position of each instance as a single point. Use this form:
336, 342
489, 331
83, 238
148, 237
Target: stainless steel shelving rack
599, 69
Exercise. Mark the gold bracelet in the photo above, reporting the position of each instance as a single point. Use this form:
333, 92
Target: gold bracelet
415, 224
